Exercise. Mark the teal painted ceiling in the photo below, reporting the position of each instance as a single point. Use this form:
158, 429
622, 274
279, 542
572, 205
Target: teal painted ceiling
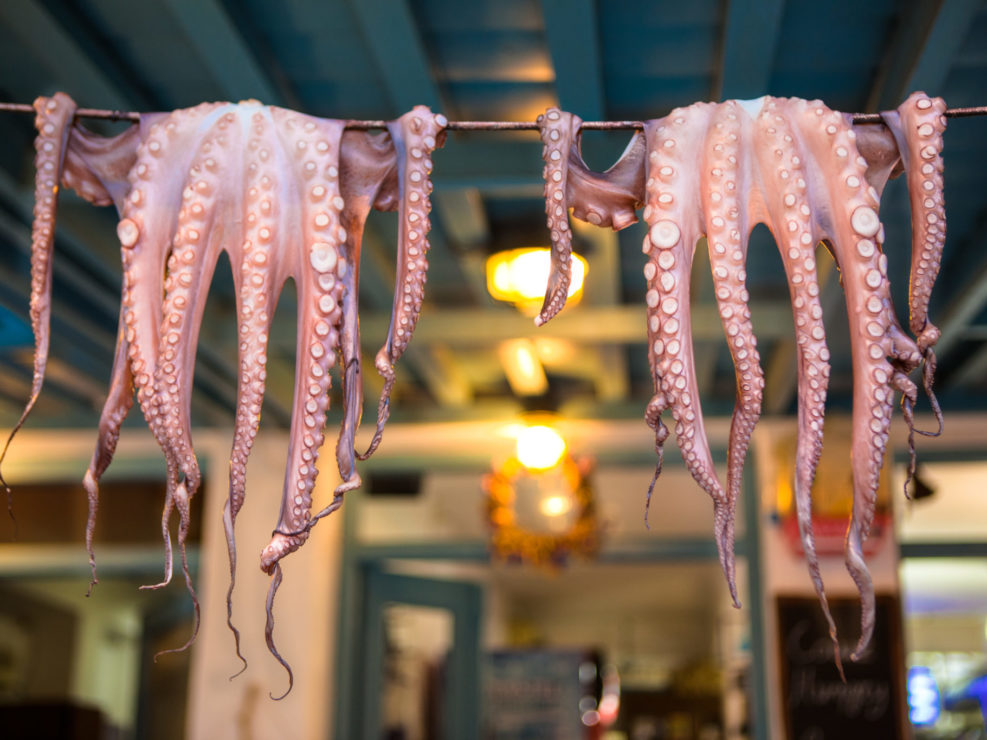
486, 60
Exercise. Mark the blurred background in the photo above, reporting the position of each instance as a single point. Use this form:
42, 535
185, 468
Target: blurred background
462, 592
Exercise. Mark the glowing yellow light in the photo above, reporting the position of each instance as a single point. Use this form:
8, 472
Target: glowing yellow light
555, 505
520, 276
539, 447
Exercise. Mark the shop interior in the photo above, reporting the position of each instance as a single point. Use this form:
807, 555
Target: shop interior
462, 590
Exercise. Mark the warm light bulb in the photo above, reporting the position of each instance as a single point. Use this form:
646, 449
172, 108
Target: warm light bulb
539, 447
555, 505
529, 274
520, 276
502, 277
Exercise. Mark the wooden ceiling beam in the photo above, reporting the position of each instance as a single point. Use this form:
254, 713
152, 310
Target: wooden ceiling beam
928, 36
476, 327
747, 48
224, 51
389, 30
463, 217
972, 369
405, 71
70, 65
573, 42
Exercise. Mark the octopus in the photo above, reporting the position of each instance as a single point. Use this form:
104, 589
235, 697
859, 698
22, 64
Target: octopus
285, 195
716, 170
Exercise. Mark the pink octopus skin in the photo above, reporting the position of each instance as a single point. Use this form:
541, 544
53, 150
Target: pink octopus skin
808, 183
797, 247
739, 155
921, 122
53, 122
558, 132
855, 236
602, 199
675, 223
415, 136
180, 182
918, 126
728, 227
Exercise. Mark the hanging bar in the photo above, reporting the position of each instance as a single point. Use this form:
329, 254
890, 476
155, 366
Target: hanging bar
116, 115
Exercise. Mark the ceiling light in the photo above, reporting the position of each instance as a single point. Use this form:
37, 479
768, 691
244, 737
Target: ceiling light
522, 367
539, 447
520, 276
555, 505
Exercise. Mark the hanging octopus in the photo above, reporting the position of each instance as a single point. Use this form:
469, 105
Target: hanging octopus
716, 171
285, 195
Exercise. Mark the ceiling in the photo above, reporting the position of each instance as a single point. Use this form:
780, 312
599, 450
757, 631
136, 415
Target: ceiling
488, 60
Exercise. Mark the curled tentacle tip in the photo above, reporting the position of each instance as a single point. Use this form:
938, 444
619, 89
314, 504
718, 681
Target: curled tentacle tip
291, 684
863, 646
540, 319
242, 669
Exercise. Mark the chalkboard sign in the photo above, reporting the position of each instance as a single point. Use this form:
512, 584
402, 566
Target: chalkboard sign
535, 694
816, 704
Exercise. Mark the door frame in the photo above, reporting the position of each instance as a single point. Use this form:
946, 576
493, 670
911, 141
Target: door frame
360, 559
461, 700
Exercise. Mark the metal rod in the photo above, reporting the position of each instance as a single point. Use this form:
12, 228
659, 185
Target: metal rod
116, 115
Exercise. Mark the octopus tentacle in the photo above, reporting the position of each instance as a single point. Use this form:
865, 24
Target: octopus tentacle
558, 131
166, 511
727, 175
855, 238
672, 235
320, 295
268, 254
789, 219
195, 250
923, 122
602, 199
417, 133
53, 123
119, 399
918, 126
144, 232
257, 289
369, 178
316, 355
269, 630
352, 381
652, 417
